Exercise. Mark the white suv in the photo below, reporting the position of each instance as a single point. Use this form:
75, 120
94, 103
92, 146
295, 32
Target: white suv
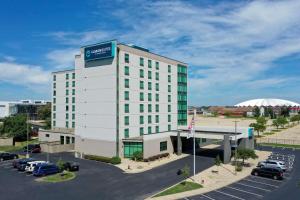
31, 165
273, 163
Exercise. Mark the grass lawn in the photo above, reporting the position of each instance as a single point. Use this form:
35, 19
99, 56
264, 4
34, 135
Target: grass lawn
181, 187
19, 146
269, 133
56, 178
281, 145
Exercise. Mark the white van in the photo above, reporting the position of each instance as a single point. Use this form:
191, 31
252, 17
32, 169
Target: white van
273, 163
31, 165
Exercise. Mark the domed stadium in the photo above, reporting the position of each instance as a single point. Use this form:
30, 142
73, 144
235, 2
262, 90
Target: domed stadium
268, 103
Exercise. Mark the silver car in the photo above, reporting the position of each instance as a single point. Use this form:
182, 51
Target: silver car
273, 163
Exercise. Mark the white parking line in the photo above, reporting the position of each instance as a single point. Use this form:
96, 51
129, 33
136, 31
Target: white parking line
261, 183
253, 187
207, 196
234, 188
253, 177
229, 195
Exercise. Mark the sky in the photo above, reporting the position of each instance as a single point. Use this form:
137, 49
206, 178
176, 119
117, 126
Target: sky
236, 50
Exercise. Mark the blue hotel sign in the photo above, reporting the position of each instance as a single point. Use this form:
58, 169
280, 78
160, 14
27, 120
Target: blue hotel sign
99, 51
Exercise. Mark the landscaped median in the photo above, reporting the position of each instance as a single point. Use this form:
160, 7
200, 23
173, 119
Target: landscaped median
56, 178
113, 160
180, 187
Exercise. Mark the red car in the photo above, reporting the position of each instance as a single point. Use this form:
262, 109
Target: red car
33, 148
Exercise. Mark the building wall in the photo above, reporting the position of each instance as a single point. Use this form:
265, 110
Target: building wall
152, 144
50, 136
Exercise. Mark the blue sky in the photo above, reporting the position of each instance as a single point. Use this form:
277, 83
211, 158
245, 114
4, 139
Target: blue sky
236, 50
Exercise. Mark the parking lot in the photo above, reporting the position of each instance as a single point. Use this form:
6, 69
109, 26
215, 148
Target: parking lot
255, 187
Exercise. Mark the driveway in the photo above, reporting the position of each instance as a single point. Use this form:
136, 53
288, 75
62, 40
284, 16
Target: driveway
95, 180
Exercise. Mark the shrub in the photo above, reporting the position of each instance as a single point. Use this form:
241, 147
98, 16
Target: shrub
98, 158
137, 156
239, 167
152, 158
115, 160
60, 164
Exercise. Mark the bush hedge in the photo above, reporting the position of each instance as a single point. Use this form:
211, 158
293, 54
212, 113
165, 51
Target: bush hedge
137, 156
113, 160
152, 158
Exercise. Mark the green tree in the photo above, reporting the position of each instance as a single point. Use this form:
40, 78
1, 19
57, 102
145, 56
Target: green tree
245, 154
44, 112
185, 172
260, 125
15, 126
295, 118
256, 111
282, 121
275, 123
218, 161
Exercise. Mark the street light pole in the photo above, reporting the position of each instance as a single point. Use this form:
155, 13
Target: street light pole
195, 112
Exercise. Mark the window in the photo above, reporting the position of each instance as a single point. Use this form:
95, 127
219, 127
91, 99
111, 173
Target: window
149, 75
156, 129
126, 95
67, 100
73, 116
126, 108
149, 130
67, 124
156, 97
169, 68
149, 97
67, 140
141, 61
67, 92
73, 91
141, 119
169, 78
54, 108
67, 115
149, 119
149, 63
73, 108
169, 88
54, 115
126, 120
157, 86
149, 108
141, 73
141, 131
141, 85
62, 139
126, 133
169, 108
54, 123
54, 100
73, 99
156, 118
169, 127
54, 85
163, 146
126, 83
203, 140
156, 108
141, 108
126, 70
156, 76
73, 83
54, 92
169, 118
67, 76
149, 86
169, 98
47, 135
126, 58
141, 96
157, 65
54, 77
73, 124
67, 84
73, 140
73, 75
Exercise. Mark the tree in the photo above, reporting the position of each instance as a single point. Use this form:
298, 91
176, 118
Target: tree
275, 123
44, 112
218, 161
256, 111
245, 154
15, 126
282, 121
185, 172
295, 118
260, 125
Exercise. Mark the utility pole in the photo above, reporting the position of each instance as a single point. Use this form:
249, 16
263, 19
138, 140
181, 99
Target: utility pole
235, 149
27, 132
195, 112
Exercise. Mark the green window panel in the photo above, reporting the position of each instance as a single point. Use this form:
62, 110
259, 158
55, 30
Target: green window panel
169, 68
67, 100
126, 95
141, 96
73, 91
141, 61
157, 97
54, 85
163, 146
54, 100
169, 127
156, 108
54, 92
131, 147
141, 119
67, 84
182, 94
149, 108
169, 118
141, 108
169, 98
126, 70
149, 86
149, 119
156, 129
126, 83
73, 126
67, 115
157, 86
73, 83
156, 118
150, 63
67, 108
67, 76
67, 92
141, 85
149, 129
149, 75
126, 58
54, 115
54, 77
73, 108
126, 108
126, 133
54, 123
141, 73
73, 116
67, 124
54, 108
149, 97
169, 108
156, 76
73, 99
73, 75
126, 120
157, 65
169, 78
141, 131
169, 88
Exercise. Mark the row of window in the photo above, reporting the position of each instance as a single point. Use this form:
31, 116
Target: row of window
67, 76
67, 116
142, 132
67, 99
142, 74
66, 125
67, 108
126, 108
127, 85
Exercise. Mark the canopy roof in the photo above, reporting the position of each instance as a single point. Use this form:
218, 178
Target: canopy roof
268, 102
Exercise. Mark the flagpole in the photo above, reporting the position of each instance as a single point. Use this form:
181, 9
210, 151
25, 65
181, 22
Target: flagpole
194, 143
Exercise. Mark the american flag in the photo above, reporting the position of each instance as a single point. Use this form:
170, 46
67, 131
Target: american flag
191, 128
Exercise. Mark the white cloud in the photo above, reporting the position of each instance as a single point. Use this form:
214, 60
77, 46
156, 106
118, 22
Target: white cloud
63, 58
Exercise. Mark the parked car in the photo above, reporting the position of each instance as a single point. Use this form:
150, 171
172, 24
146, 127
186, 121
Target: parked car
17, 163
8, 156
45, 169
33, 148
71, 166
271, 172
31, 165
272, 163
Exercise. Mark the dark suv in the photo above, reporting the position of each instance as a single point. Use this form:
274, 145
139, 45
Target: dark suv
271, 172
8, 156
33, 148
